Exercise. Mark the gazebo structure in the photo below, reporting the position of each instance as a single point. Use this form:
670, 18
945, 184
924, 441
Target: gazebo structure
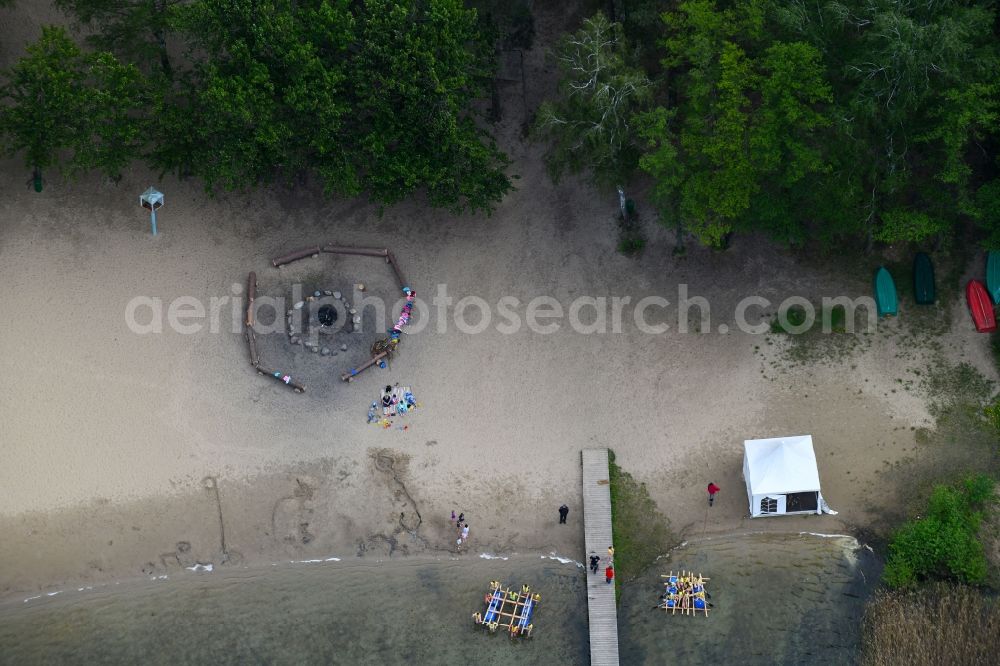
151, 199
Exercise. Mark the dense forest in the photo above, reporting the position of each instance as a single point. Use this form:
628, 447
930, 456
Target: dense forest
369, 97
863, 119
860, 120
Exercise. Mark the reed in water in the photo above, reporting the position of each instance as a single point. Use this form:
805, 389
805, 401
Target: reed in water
938, 624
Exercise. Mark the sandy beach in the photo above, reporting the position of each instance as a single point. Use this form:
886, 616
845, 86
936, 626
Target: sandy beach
125, 454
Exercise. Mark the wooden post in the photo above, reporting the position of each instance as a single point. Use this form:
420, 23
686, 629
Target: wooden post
252, 346
366, 251
391, 260
295, 256
251, 295
351, 374
294, 385
370, 252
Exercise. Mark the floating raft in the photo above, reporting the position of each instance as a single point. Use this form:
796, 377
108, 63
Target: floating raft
684, 592
509, 610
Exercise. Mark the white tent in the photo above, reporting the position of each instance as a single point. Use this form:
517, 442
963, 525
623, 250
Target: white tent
781, 476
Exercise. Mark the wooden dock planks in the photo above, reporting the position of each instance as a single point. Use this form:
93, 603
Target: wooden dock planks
601, 608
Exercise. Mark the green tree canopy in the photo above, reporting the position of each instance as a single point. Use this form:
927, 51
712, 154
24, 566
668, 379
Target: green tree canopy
740, 148
590, 125
374, 97
843, 120
71, 109
369, 96
944, 542
135, 30
916, 85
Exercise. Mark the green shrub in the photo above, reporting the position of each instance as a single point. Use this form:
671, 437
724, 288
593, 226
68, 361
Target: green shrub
944, 543
995, 348
795, 317
992, 414
640, 531
631, 245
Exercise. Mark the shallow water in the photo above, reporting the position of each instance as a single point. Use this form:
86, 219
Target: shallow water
778, 599
330, 613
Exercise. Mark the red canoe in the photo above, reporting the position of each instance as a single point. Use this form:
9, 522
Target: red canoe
981, 306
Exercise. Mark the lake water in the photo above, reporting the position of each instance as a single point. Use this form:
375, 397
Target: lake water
783, 599
409, 611
778, 599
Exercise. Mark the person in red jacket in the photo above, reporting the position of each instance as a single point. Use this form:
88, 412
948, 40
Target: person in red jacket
609, 574
712, 489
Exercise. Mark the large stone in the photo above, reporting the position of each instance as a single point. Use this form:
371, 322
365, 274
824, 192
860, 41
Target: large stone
325, 351
314, 349
298, 306
336, 294
317, 293
343, 347
353, 311
327, 292
357, 320
294, 340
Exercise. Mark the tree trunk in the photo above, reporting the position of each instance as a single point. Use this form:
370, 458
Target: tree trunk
496, 108
160, 12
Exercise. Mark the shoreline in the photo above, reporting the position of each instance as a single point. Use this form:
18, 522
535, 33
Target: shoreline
13, 603
10, 603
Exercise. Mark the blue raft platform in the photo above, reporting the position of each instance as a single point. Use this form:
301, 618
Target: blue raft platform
509, 610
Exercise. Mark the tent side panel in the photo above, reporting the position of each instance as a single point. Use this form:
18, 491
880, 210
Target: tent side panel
746, 478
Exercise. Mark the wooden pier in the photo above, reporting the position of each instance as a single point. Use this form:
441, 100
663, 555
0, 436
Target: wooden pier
597, 536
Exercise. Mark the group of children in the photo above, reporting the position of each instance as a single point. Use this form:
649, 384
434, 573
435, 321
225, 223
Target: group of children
685, 591
462, 526
394, 401
609, 571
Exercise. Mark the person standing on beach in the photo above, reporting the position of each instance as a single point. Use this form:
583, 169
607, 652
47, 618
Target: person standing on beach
465, 533
609, 574
712, 489
563, 512
453, 518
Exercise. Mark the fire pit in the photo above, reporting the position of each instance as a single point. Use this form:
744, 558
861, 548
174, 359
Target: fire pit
322, 322
327, 315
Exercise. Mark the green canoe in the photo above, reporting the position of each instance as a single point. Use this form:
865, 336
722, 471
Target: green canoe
923, 279
993, 275
885, 293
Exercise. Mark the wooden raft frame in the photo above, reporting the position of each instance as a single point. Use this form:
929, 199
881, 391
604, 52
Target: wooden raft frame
685, 596
513, 612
